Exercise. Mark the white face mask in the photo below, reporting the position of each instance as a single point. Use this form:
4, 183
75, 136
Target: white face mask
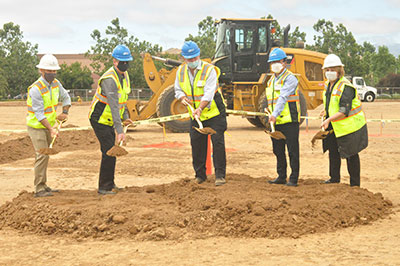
193, 64
331, 75
276, 67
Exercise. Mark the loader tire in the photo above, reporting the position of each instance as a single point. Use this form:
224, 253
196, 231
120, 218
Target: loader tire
167, 105
262, 103
255, 122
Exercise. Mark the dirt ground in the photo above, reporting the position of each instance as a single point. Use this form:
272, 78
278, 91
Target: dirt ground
165, 219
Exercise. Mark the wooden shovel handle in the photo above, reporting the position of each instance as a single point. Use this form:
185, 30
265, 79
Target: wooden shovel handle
58, 129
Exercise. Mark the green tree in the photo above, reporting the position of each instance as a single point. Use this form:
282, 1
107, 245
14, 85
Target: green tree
18, 60
206, 37
368, 53
75, 76
339, 41
4, 91
383, 63
101, 52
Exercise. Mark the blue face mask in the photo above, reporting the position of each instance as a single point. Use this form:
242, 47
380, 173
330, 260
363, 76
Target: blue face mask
193, 64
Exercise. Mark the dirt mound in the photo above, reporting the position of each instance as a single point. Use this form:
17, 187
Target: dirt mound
21, 148
244, 207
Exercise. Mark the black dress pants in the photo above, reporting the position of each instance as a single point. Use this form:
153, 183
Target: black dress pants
291, 131
198, 142
353, 164
106, 136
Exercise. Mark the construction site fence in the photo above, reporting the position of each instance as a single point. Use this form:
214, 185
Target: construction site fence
87, 95
388, 92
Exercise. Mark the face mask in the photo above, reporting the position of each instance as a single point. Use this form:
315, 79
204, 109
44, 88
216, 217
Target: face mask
193, 64
331, 75
123, 66
49, 77
276, 67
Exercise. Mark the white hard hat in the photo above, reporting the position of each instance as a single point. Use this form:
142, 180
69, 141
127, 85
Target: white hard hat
48, 62
332, 60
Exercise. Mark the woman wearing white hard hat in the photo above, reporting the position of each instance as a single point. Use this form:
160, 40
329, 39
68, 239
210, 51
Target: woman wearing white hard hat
342, 113
42, 101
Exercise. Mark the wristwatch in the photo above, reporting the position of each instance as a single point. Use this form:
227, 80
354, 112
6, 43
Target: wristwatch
65, 112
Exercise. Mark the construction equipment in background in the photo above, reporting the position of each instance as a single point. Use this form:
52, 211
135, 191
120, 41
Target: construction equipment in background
242, 50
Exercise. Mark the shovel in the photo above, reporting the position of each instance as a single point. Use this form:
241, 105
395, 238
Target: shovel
201, 129
322, 134
274, 134
50, 150
117, 150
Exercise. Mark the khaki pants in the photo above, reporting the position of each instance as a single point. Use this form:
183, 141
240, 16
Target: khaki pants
41, 138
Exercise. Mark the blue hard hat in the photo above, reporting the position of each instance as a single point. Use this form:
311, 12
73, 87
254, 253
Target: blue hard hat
276, 55
190, 50
122, 53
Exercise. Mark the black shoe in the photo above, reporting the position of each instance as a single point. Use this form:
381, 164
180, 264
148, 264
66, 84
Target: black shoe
43, 193
106, 192
199, 180
291, 184
330, 182
220, 181
277, 181
48, 189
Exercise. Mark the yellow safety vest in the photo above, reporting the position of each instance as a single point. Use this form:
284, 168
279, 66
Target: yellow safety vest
50, 102
356, 118
272, 92
196, 93
123, 92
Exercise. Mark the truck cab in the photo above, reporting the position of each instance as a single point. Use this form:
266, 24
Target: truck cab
366, 93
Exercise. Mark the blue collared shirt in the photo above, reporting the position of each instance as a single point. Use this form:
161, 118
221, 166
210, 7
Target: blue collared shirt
209, 88
37, 99
288, 88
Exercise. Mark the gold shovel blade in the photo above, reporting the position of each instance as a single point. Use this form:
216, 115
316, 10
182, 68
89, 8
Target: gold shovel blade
48, 151
116, 151
276, 134
320, 135
205, 130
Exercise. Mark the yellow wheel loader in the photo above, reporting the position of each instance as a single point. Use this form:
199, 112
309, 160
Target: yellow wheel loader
242, 50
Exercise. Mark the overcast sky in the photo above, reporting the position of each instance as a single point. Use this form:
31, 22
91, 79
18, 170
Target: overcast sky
65, 26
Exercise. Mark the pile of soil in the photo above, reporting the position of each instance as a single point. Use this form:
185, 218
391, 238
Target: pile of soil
22, 148
244, 207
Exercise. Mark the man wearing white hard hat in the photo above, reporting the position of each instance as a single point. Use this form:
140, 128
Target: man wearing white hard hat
344, 115
43, 97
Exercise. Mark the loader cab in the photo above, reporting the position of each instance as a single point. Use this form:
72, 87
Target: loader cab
242, 49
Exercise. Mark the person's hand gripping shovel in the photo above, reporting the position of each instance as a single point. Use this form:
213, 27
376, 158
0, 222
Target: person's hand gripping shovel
322, 134
201, 129
50, 150
117, 150
274, 134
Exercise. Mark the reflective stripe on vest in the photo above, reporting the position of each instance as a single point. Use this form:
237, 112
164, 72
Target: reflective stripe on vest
355, 119
123, 91
273, 95
49, 104
198, 88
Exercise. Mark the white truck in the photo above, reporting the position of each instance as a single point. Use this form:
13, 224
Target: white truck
366, 93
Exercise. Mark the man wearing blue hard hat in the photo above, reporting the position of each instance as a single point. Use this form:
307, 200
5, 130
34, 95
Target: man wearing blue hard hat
196, 84
107, 112
282, 94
